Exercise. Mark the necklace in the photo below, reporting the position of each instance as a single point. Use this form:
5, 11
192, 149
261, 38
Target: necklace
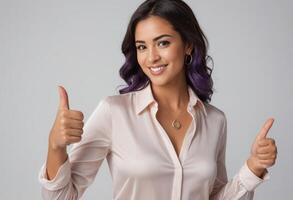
176, 123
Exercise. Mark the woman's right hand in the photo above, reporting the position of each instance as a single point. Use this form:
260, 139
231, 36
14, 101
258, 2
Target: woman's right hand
68, 125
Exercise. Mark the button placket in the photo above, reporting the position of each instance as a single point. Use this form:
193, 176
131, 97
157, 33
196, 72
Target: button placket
177, 183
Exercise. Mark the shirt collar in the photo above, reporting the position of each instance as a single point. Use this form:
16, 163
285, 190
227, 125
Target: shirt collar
145, 97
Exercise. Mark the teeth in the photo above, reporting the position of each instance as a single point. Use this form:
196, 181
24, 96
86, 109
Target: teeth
155, 69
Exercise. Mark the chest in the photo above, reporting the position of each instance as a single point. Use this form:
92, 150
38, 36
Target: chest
175, 135
141, 150
150, 136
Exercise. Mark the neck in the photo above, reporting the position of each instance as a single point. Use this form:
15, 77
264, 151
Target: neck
173, 97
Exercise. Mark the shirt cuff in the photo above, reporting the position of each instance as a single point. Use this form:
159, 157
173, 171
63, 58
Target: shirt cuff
61, 179
249, 179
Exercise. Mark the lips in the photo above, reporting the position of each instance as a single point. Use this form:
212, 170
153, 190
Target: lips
157, 70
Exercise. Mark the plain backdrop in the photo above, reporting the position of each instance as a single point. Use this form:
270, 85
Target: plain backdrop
77, 44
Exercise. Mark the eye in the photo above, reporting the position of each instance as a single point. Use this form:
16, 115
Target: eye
164, 43
140, 47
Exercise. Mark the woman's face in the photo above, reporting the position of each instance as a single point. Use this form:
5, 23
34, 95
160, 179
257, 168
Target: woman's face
160, 51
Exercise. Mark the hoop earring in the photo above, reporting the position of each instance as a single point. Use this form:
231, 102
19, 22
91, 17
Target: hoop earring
190, 60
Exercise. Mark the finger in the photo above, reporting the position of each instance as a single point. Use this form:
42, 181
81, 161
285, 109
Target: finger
72, 123
267, 156
266, 149
71, 139
265, 129
72, 132
63, 102
267, 163
73, 114
266, 142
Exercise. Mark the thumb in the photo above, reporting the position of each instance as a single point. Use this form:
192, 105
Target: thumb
265, 129
63, 103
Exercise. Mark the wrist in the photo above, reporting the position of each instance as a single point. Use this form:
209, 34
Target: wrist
54, 147
258, 171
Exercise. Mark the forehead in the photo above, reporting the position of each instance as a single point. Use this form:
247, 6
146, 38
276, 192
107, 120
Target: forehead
153, 26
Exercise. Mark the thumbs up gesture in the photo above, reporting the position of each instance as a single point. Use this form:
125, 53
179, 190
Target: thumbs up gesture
263, 151
68, 125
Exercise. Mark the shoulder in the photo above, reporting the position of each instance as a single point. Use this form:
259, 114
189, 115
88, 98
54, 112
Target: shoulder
215, 113
217, 119
120, 100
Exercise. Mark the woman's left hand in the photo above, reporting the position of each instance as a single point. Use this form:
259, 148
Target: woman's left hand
263, 151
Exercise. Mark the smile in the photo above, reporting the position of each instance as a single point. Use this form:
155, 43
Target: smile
157, 70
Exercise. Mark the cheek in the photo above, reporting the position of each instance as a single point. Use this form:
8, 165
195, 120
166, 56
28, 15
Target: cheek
174, 55
139, 60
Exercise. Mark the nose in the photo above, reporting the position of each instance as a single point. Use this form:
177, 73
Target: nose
153, 55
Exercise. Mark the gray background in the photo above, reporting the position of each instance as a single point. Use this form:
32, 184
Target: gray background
77, 44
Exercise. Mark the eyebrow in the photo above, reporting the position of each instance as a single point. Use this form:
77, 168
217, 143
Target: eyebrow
155, 39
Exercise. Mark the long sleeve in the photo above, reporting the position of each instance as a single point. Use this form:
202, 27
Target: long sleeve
242, 185
84, 158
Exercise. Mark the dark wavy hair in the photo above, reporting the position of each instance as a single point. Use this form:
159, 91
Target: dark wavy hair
181, 17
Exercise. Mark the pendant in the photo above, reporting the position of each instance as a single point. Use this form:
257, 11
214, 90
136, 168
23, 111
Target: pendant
176, 124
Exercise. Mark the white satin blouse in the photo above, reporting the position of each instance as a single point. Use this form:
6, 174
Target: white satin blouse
142, 160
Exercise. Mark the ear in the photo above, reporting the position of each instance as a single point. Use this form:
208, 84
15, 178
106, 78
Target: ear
188, 48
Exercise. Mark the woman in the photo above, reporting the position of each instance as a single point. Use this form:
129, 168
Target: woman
161, 137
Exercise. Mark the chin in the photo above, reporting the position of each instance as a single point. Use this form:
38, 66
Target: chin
159, 82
